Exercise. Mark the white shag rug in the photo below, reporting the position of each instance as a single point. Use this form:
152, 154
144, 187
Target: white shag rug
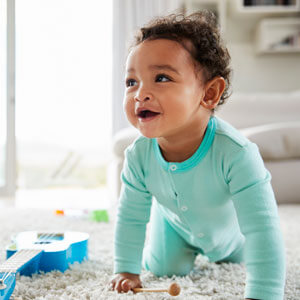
90, 279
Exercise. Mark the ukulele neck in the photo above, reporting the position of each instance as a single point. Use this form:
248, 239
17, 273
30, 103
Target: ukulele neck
19, 259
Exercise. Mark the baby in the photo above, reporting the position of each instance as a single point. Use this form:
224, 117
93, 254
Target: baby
206, 183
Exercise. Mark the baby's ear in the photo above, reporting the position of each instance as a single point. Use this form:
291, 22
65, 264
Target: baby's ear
213, 92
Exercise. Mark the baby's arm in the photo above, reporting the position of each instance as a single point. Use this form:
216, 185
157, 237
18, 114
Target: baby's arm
133, 215
256, 209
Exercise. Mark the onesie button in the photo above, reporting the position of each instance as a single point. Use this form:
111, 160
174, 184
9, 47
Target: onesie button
200, 235
173, 167
184, 208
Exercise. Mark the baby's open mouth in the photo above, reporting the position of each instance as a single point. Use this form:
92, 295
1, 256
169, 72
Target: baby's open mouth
144, 114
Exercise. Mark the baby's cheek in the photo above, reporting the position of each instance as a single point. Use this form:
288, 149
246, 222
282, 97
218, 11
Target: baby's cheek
128, 107
177, 114
130, 113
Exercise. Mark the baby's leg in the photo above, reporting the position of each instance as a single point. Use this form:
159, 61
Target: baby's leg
236, 256
167, 253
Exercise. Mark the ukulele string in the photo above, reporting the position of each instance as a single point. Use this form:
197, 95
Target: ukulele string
22, 255
5, 276
45, 236
17, 255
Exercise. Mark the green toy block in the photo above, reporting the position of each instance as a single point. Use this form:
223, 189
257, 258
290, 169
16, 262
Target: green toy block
99, 215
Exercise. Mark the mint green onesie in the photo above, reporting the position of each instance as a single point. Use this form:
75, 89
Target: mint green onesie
218, 203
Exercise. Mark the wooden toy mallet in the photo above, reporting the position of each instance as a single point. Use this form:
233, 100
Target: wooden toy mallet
173, 290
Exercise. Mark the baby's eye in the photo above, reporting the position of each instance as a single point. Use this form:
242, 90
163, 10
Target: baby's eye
130, 82
162, 78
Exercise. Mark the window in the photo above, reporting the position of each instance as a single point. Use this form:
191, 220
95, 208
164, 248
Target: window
63, 92
3, 67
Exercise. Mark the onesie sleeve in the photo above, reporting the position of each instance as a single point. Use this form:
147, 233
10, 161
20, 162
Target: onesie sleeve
132, 218
254, 201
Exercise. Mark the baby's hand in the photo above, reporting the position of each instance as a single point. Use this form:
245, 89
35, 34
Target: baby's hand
124, 282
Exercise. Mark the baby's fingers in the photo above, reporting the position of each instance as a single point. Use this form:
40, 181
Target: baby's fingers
123, 284
127, 285
118, 286
112, 285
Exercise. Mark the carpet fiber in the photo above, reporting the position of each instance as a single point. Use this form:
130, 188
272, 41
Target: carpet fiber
90, 279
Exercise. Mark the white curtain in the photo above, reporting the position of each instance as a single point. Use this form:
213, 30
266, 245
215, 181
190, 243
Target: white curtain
128, 16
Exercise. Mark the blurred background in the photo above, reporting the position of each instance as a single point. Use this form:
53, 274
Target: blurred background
62, 82
61, 92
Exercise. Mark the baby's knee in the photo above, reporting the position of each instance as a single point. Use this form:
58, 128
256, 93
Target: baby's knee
167, 266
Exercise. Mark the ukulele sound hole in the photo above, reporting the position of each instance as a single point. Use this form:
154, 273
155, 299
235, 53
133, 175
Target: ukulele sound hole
42, 242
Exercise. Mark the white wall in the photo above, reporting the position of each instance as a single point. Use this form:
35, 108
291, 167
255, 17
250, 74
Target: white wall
254, 73
263, 73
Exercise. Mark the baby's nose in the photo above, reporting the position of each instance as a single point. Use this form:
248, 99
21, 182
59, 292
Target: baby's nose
143, 95
141, 99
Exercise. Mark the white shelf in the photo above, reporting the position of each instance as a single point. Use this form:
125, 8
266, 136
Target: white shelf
268, 9
281, 49
262, 26
270, 33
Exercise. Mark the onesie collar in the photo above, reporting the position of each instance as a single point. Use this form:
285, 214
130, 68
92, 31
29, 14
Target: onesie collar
191, 162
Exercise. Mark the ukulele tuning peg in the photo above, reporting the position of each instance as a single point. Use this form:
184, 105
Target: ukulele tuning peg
2, 285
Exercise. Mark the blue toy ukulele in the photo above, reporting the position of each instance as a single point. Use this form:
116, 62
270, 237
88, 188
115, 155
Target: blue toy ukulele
32, 252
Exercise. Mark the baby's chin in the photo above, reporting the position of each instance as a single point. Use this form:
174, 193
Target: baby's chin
148, 135
146, 132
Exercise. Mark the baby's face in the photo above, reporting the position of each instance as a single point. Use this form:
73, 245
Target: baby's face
163, 93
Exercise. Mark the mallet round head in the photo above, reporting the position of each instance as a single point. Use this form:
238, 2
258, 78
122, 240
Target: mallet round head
174, 289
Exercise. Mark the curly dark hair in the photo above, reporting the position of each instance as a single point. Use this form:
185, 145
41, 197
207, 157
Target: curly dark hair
201, 29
